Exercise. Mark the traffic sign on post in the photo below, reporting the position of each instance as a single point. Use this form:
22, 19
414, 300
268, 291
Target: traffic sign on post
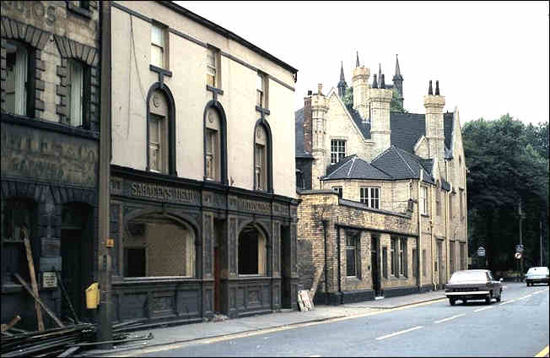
481, 251
519, 248
518, 255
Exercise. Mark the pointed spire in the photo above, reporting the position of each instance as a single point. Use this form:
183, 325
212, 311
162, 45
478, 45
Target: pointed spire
342, 85
382, 81
430, 91
379, 71
357, 64
374, 83
437, 88
397, 69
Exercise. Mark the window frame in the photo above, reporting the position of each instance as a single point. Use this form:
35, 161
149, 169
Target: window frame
339, 190
262, 89
336, 153
353, 243
393, 259
266, 148
29, 86
424, 205
163, 47
372, 201
213, 52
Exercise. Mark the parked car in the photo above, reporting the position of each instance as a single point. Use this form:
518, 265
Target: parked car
473, 285
537, 275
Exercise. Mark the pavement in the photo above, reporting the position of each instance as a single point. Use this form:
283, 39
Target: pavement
264, 323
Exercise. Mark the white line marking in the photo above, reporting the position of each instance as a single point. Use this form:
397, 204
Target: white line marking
397, 333
483, 309
524, 297
450, 318
505, 303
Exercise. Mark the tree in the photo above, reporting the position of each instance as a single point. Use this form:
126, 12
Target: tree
395, 105
507, 162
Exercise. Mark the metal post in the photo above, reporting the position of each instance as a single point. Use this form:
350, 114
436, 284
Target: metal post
540, 234
105, 332
520, 241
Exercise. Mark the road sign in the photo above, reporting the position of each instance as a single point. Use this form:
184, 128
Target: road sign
518, 255
481, 251
519, 248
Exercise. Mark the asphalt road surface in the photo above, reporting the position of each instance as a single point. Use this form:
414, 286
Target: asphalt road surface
517, 326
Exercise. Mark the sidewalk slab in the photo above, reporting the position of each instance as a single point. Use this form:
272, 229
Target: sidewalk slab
208, 330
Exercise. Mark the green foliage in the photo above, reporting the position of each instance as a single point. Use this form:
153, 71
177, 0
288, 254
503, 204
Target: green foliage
348, 97
507, 162
395, 105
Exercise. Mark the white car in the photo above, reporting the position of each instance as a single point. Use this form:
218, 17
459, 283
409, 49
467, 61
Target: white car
537, 275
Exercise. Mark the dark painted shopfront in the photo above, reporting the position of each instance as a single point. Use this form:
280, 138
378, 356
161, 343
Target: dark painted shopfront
185, 249
49, 176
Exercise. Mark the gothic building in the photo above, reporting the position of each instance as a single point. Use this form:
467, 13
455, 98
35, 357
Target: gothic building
203, 201
383, 193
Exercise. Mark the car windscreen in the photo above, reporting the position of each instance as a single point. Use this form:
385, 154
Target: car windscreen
468, 277
539, 270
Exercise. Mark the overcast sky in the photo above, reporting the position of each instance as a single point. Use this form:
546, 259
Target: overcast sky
490, 58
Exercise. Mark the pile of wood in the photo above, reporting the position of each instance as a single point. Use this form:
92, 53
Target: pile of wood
58, 342
50, 342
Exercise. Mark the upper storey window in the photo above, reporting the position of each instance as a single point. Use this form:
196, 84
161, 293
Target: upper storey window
158, 46
17, 78
370, 196
337, 150
424, 200
79, 93
261, 90
213, 170
260, 158
212, 67
158, 133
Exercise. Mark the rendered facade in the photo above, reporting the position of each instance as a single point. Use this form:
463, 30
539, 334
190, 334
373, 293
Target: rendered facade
203, 202
383, 193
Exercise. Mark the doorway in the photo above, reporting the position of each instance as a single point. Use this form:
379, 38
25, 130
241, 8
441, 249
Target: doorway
285, 267
375, 270
76, 258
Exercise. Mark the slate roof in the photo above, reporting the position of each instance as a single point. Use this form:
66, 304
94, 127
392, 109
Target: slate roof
400, 164
353, 167
397, 162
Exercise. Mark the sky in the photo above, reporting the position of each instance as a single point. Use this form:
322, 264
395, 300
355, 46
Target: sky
491, 58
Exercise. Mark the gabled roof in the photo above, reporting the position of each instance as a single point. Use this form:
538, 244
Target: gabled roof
353, 167
400, 164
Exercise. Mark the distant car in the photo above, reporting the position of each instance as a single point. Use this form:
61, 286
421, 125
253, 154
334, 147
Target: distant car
473, 285
537, 275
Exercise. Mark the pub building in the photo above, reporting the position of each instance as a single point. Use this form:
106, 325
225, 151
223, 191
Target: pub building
49, 154
203, 198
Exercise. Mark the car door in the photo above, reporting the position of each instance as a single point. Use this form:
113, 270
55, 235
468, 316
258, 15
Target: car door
494, 284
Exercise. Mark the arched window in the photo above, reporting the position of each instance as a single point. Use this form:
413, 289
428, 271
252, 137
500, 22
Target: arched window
262, 157
213, 145
252, 251
160, 131
156, 246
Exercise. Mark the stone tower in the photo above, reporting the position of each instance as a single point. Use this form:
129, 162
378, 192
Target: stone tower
379, 101
434, 124
360, 84
319, 108
398, 81
342, 85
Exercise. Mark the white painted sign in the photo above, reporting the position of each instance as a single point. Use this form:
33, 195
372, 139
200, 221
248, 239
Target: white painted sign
49, 280
518, 255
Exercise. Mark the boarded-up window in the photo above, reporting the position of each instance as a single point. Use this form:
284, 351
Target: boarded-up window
158, 246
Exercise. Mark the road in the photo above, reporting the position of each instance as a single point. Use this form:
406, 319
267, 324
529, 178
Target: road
517, 326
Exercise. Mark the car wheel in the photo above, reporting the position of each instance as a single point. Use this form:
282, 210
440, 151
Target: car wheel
528, 284
488, 299
499, 298
464, 301
452, 301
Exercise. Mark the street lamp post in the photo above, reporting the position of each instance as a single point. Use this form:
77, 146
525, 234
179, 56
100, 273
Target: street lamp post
520, 240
